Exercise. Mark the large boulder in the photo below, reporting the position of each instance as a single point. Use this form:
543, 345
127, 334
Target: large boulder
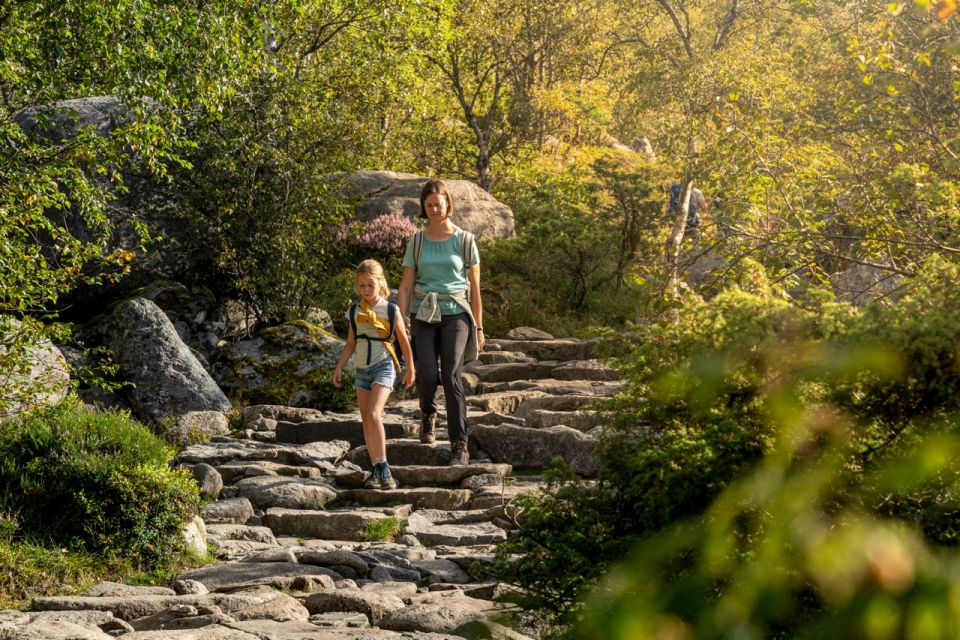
862, 284
285, 365
169, 380
44, 378
143, 200
386, 192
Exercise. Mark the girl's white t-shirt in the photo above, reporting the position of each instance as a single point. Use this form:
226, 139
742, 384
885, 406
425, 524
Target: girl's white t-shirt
362, 358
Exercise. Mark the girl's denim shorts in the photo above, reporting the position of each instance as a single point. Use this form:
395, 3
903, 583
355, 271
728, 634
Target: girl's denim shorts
382, 373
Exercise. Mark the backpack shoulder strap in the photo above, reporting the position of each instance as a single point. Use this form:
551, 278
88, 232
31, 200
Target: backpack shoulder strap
417, 249
467, 244
353, 318
392, 310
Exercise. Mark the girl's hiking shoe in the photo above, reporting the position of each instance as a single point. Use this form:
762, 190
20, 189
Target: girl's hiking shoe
386, 478
373, 480
380, 478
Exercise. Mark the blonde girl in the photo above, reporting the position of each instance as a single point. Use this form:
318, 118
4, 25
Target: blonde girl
377, 363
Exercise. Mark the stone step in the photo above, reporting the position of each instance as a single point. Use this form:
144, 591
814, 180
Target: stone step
579, 420
293, 493
424, 475
235, 470
511, 371
419, 497
222, 450
453, 535
335, 524
585, 370
552, 403
406, 452
499, 357
334, 428
556, 349
598, 388
528, 448
503, 401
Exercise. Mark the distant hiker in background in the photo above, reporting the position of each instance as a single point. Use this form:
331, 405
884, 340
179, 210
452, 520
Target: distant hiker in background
441, 287
374, 322
697, 204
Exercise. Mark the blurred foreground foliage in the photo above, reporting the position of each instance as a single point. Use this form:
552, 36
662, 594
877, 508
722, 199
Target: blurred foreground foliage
779, 470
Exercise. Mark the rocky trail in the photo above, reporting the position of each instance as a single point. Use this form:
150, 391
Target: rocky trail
305, 553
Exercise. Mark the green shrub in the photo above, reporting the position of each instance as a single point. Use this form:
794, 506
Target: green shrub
730, 388
93, 481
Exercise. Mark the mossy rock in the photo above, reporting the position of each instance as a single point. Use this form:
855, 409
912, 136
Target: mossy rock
289, 364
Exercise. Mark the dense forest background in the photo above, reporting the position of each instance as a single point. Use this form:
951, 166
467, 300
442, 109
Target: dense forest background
785, 458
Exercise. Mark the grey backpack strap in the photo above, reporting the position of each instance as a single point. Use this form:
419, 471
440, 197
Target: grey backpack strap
466, 253
417, 249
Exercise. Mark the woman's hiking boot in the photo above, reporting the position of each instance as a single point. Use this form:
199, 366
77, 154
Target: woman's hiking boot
458, 453
428, 428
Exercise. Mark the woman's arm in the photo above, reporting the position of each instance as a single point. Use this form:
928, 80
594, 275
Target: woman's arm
476, 303
348, 350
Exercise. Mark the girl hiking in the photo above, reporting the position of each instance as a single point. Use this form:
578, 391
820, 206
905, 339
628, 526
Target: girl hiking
441, 288
374, 323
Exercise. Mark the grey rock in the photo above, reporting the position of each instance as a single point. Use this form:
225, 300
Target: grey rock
197, 426
211, 484
334, 427
280, 366
232, 472
294, 493
220, 532
419, 497
442, 571
385, 192
212, 632
169, 379
453, 534
438, 612
58, 630
559, 349
579, 420
228, 511
528, 333
426, 475
277, 413
333, 524
45, 380
120, 590
349, 619
526, 448
488, 630
195, 537
250, 603
223, 450
374, 605
189, 588
272, 555
861, 284
584, 370
333, 559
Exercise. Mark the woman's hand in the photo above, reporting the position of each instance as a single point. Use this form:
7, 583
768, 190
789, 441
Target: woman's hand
481, 340
337, 378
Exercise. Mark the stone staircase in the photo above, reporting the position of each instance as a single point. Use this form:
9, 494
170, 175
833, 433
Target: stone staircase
305, 553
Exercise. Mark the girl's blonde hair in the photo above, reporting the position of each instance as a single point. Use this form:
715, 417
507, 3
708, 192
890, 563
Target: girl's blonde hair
374, 270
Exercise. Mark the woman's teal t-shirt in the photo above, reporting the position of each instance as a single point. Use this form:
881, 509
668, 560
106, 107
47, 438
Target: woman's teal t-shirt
441, 269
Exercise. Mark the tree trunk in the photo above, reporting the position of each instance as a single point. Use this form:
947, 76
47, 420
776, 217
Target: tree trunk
675, 239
